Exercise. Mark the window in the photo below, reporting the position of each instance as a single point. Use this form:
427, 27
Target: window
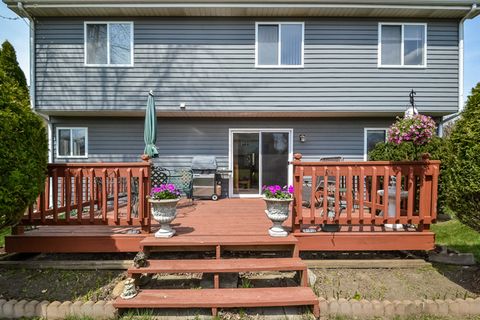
109, 43
373, 136
402, 45
279, 44
72, 142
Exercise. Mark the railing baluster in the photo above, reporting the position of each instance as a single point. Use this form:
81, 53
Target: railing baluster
79, 191
411, 194
398, 195
386, 181
349, 188
313, 195
337, 193
434, 192
129, 195
361, 194
143, 208
92, 195
374, 196
104, 195
115, 195
55, 194
325, 194
68, 194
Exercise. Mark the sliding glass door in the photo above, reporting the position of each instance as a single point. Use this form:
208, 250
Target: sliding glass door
259, 157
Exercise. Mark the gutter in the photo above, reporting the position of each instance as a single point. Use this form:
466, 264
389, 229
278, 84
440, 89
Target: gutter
461, 49
32, 53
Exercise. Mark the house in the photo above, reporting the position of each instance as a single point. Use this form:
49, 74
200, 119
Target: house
249, 82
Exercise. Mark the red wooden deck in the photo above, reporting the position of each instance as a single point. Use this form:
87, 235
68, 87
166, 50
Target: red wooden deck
241, 219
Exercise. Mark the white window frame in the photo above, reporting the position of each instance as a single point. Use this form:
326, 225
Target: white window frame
282, 66
365, 131
402, 53
108, 23
71, 143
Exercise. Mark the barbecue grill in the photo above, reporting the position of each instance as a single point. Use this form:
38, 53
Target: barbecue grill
204, 170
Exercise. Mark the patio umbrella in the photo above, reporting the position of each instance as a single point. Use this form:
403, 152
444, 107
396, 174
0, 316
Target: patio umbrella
150, 130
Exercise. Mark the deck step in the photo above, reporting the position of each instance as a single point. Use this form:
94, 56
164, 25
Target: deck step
221, 265
222, 298
230, 240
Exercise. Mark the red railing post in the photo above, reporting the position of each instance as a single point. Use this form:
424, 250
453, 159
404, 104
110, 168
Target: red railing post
297, 218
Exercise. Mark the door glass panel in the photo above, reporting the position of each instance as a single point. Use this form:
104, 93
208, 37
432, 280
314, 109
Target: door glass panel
275, 158
245, 163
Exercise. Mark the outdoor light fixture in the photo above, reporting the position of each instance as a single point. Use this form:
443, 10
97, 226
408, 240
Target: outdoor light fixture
183, 105
302, 138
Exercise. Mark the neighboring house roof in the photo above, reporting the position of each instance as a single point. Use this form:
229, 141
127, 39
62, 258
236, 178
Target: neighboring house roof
264, 8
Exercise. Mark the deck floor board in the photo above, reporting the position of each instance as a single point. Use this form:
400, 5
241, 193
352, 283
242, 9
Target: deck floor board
241, 218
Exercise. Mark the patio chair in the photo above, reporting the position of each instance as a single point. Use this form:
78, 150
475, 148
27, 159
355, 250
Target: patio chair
183, 179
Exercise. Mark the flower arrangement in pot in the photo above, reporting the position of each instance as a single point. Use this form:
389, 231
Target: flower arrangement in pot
278, 201
163, 200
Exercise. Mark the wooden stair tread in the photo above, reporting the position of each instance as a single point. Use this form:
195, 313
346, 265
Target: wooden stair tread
234, 240
222, 265
220, 298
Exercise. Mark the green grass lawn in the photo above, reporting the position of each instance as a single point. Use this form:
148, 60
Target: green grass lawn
3, 233
457, 236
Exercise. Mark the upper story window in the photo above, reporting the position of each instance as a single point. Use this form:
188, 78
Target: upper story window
279, 44
72, 142
402, 45
373, 136
109, 43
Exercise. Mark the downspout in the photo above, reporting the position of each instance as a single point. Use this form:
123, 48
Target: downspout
461, 64
461, 35
32, 53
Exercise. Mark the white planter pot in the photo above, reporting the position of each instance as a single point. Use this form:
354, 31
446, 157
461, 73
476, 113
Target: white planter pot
164, 211
277, 211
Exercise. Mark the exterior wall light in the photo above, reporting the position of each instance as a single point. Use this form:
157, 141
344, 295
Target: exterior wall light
183, 106
302, 138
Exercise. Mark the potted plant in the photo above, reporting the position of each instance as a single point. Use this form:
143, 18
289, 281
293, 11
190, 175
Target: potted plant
163, 200
278, 201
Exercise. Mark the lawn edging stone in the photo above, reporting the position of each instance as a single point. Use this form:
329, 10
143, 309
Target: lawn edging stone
104, 310
56, 310
400, 308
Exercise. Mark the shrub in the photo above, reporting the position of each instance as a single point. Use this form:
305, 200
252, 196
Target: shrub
23, 150
463, 164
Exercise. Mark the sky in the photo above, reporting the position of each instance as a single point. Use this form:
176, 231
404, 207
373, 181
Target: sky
16, 31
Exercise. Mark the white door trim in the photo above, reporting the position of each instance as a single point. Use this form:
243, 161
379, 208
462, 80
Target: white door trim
231, 131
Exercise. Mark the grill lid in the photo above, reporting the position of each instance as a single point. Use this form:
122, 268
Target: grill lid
204, 163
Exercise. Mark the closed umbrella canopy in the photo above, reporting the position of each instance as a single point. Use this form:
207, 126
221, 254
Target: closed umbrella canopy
150, 130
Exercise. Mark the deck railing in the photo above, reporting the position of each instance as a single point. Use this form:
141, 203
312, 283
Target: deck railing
93, 194
356, 193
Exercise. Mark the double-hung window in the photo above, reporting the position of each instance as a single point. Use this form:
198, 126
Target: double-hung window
402, 45
72, 143
109, 43
279, 44
372, 136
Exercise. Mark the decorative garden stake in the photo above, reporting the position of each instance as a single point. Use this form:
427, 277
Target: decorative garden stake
278, 201
130, 290
163, 200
